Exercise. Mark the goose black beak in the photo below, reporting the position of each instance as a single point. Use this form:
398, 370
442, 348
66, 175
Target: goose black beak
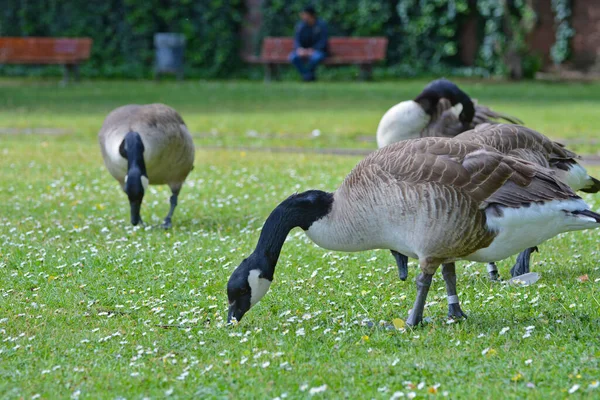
234, 313
135, 207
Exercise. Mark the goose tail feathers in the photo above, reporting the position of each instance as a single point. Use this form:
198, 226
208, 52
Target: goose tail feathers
589, 214
594, 186
484, 114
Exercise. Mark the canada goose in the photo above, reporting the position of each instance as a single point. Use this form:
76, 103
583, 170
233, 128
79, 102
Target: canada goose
412, 119
517, 141
527, 144
434, 199
147, 144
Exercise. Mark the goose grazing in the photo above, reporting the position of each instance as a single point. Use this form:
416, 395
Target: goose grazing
527, 144
438, 200
413, 119
147, 144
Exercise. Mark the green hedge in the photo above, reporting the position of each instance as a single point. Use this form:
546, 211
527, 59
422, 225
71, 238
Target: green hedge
123, 31
423, 34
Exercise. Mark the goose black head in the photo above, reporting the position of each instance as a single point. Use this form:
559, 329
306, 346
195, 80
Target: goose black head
136, 180
252, 278
443, 88
247, 285
135, 187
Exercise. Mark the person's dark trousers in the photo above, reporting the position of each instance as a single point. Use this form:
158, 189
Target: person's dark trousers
307, 65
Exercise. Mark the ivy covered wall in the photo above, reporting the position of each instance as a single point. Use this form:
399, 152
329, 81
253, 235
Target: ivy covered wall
425, 36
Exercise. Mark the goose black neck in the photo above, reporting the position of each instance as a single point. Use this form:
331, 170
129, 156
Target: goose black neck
133, 150
299, 210
443, 88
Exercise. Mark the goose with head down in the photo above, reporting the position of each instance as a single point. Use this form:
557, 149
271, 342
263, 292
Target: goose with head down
438, 200
147, 145
417, 118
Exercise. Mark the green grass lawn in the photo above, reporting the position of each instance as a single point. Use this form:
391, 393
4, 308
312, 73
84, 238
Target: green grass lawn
93, 308
285, 114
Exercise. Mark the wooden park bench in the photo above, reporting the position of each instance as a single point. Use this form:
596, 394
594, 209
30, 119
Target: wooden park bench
37, 50
361, 51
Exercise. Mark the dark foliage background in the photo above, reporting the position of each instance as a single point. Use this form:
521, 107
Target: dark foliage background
423, 34
123, 31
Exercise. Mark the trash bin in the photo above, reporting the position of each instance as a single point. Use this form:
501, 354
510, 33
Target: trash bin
169, 50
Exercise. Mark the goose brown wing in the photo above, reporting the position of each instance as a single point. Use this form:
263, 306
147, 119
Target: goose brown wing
512, 182
520, 142
478, 171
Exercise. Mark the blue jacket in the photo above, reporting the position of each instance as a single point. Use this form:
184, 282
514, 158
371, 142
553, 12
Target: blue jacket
313, 37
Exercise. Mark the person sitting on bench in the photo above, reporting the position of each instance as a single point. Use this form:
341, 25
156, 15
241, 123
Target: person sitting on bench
310, 44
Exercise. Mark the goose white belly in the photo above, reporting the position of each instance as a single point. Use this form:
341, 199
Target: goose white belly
377, 232
525, 227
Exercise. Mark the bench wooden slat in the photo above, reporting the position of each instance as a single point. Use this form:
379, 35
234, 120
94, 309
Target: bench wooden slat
35, 50
342, 50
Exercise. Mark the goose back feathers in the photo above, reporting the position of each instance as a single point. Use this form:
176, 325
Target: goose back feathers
168, 146
527, 144
431, 198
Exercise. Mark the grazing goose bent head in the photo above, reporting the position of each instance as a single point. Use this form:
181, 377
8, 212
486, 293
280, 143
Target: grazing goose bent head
420, 117
251, 280
408, 119
443, 88
434, 199
144, 145
136, 180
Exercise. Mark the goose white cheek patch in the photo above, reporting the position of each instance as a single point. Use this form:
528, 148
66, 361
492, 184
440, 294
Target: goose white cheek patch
258, 286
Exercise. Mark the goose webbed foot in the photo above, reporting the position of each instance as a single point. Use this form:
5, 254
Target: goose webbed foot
455, 312
449, 274
492, 270
402, 262
523, 262
416, 314
173, 200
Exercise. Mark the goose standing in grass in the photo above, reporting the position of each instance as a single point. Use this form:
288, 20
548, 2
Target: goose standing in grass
147, 144
527, 144
413, 119
434, 199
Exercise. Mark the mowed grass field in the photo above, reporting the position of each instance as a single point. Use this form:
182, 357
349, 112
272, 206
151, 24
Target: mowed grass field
93, 308
288, 113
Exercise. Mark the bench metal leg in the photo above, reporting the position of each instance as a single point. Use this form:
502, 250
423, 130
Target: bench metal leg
75, 72
271, 72
70, 70
366, 72
66, 74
